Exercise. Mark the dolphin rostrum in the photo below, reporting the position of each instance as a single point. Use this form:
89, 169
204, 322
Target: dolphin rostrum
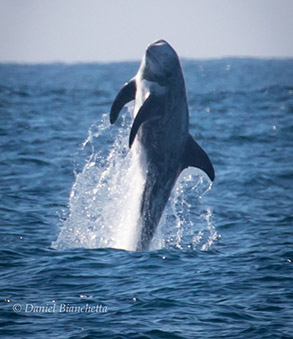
160, 126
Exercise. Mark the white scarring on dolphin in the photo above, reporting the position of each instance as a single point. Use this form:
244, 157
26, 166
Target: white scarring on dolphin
161, 121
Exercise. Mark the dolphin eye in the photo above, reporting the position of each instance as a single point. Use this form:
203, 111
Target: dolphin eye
168, 74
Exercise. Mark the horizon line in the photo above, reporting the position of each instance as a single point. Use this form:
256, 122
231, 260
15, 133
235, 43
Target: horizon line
50, 62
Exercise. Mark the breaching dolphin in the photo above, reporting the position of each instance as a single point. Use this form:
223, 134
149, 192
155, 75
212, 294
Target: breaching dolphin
160, 126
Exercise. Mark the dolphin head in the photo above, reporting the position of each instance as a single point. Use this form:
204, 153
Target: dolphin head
161, 63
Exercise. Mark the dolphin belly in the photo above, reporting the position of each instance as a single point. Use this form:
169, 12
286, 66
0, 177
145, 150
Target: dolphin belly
157, 189
162, 165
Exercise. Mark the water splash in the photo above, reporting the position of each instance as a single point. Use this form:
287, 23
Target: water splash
105, 198
188, 220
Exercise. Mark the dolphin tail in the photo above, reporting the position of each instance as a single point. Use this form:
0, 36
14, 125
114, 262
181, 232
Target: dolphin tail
126, 94
195, 156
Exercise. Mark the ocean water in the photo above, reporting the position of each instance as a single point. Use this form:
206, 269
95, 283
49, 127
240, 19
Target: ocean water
220, 265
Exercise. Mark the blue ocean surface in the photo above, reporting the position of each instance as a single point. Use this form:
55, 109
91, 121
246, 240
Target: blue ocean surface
220, 264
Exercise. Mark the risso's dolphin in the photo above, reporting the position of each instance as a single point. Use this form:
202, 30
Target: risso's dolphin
160, 126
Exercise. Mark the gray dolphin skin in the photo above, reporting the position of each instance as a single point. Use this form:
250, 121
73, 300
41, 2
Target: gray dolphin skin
160, 126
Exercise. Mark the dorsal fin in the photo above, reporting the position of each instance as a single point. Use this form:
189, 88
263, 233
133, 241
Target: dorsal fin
195, 156
126, 94
147, 112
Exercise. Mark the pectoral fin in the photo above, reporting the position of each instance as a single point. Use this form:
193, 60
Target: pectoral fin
126, 94
195, 156
148, 112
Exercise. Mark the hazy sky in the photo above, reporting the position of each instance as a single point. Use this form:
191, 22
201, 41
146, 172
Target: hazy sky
113, 30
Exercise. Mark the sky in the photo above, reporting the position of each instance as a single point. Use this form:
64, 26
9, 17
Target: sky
117, 30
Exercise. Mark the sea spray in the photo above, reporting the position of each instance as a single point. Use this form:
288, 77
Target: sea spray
105, 198
187, 221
